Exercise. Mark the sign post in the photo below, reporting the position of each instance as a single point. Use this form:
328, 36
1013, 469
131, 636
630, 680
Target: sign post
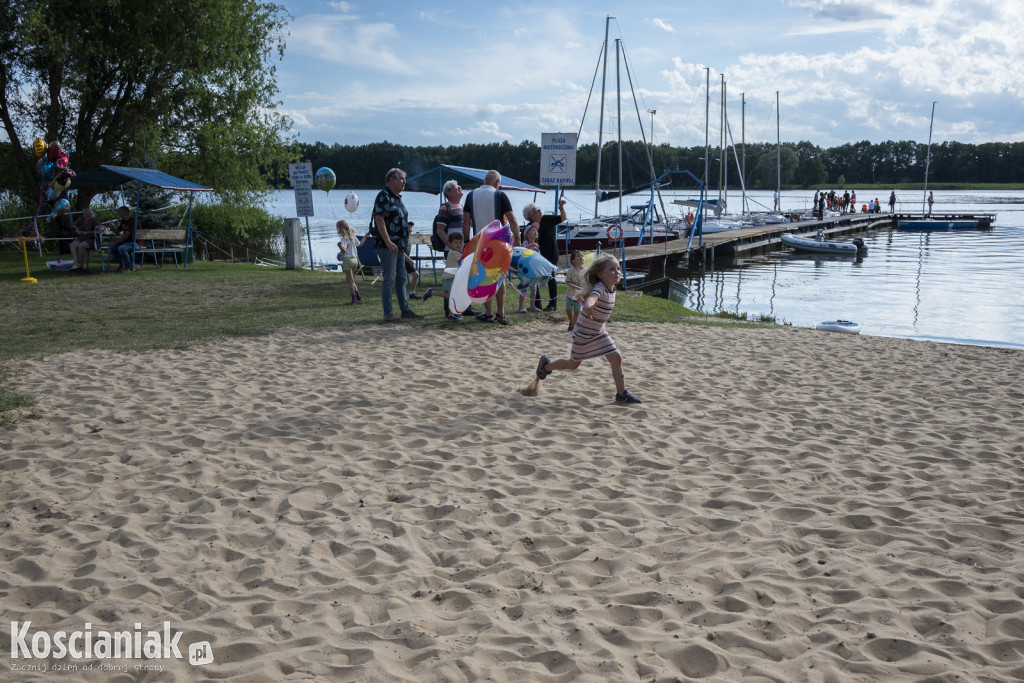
301, 176
558, 159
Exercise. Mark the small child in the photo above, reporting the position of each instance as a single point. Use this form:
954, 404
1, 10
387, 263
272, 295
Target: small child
451, 263
590, 338
574, 287
348, 254
530, 241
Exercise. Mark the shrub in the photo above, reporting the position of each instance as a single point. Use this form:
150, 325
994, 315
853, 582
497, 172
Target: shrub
250, 227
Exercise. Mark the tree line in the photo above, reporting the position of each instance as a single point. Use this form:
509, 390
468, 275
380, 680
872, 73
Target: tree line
803, 164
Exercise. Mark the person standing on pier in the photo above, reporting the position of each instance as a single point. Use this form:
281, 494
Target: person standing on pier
892, 202
931, 200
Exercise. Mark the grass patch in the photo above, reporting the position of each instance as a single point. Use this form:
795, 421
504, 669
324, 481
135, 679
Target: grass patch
180, 308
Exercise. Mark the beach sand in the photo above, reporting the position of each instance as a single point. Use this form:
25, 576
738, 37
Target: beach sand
383, 504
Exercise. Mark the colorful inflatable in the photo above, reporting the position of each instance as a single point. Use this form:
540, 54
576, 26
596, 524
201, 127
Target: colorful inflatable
530, 267
484, 265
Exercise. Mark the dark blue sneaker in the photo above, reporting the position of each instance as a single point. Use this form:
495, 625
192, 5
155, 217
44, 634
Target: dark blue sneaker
541, 372
626, 397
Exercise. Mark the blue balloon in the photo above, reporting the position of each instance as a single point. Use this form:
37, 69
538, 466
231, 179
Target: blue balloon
530, 267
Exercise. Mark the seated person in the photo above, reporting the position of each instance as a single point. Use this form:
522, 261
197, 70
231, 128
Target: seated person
122, 247
85, 238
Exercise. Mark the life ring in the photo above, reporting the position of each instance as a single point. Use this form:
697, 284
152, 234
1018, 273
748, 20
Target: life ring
689, 218
618, 235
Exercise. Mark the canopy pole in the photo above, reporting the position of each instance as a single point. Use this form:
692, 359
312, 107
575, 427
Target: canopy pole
309, 241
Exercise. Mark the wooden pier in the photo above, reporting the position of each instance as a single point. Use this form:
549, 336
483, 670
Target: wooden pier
741, 241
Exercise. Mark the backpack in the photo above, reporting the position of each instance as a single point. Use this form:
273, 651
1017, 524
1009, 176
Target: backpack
436, 243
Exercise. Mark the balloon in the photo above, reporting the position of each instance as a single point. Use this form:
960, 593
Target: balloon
62, 206
39, 146
324, 179
351, 202
47, 171
530, 267
478, 278
53, 151
62, 182
62, 160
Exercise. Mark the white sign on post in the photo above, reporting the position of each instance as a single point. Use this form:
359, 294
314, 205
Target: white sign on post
303, 201
301, 175
558, 159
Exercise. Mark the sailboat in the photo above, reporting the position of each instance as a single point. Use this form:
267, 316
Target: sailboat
639, 222
926, 221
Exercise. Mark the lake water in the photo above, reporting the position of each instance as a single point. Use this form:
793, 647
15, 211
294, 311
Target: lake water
963, 287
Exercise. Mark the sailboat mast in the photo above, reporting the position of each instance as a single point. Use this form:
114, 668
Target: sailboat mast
618, 114
725, 157
707, 119
743, 145
721, 143
600, 125
928, 161
778, 151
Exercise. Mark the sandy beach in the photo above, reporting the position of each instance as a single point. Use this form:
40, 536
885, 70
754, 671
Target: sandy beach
382, 504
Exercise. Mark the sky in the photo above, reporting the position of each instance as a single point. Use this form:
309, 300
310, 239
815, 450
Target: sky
417, 73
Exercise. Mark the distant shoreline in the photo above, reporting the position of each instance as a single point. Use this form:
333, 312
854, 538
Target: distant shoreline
791, 188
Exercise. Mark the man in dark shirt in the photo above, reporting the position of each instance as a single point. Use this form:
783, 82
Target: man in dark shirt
122, 248
390, 238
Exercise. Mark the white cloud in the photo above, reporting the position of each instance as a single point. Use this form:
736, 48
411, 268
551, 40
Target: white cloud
662, 25
344, 40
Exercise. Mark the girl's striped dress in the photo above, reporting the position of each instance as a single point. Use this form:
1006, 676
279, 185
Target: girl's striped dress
590, 339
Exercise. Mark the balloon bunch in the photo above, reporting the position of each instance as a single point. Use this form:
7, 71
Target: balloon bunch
55, 170
325, 179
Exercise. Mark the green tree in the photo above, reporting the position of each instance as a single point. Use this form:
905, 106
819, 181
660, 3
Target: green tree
190, 84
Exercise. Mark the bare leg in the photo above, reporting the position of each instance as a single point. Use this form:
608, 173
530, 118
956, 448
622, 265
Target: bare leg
562, 364
615, 360
499, 298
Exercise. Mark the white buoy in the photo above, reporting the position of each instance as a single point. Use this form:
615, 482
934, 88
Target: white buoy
351, 202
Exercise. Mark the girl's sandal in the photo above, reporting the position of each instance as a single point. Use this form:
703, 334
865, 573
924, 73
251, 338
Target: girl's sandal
541, 372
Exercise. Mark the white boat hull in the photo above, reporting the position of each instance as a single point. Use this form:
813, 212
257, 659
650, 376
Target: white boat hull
842, 326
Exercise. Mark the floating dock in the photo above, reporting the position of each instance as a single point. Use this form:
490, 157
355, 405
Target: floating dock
684, 252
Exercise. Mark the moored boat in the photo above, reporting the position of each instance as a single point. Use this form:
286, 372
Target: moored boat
820, 245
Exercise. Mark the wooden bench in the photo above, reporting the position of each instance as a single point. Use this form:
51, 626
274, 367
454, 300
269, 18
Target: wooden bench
160, 242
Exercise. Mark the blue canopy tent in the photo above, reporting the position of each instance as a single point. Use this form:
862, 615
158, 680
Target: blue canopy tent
106, 177
432, 181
